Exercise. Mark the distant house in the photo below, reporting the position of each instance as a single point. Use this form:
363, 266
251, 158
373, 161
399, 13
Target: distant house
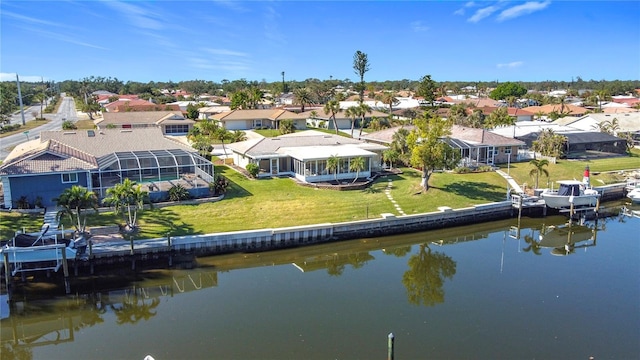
205, 113
304, 156
99, 159
516, 113
626, 122
170, 122
128, 104
258, 119
566, 109
476, 146
320, 119
581, 143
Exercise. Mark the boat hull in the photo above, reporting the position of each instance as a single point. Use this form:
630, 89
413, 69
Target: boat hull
555, 201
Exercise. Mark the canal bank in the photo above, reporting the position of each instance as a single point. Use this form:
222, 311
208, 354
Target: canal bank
162, 252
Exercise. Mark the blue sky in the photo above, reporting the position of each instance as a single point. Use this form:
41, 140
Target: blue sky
257, 40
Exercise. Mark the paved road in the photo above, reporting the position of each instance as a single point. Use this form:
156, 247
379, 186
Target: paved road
67, 110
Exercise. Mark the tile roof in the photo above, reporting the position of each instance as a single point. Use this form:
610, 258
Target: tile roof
60, 151
470, 135
140, 117
310, 138
107, 141
547, 109
271, 114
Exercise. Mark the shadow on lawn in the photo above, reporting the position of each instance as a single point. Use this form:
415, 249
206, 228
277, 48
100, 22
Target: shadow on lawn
165, 220
476, 191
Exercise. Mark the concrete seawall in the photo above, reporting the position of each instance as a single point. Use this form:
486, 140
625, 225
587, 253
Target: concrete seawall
279, 238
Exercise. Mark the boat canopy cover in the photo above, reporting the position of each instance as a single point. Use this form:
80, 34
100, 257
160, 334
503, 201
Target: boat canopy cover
569, 189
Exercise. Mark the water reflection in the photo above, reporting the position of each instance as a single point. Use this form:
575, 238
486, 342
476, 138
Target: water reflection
425, 278
42, 315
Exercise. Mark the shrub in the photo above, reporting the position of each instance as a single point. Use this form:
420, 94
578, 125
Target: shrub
178, 193
68, 125
253, 169
462, 170
485, 168
219, 185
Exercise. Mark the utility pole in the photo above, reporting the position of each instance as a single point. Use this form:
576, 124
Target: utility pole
20, 97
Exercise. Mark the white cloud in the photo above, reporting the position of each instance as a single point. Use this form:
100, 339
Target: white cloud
138, 16
483, 13
224, 52
511, 65
523, 9
65, 38
462, 9
418, 26
32, 20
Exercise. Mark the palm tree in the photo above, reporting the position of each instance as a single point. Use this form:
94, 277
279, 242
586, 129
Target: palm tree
363, 110
74, 201
390, 156
222, 134
333, 162
389, 98
302, 97
237, 136
357, 164
332, 107
352, 112
127, 199
538, 167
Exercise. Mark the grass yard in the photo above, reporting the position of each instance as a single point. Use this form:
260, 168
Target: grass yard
270, 203
32, 124
10, 222
84, 125
603, 171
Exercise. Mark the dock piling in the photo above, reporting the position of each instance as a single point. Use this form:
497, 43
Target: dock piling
390, 347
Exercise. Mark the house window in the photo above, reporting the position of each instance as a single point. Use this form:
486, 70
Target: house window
507, 150
496, 152
126, 126
176, 129
69, 178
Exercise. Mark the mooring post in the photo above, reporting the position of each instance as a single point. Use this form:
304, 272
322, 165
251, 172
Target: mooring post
65, 266
390, 349
7, 274
169, 249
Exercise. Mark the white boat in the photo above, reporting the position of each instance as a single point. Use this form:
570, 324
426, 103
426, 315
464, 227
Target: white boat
570, 192
634, 195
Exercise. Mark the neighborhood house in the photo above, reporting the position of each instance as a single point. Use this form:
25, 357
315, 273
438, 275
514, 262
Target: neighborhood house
99, 159
304, 156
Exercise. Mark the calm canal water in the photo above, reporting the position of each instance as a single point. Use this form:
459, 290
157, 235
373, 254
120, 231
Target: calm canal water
481, 292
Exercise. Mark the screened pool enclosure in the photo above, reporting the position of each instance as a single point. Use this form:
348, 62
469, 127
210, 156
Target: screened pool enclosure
151, 168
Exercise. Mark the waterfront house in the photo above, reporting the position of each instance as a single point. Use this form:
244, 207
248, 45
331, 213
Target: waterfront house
476, 146
99, 159
303, 155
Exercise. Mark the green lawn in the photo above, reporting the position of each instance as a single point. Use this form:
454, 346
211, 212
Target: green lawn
32, 124
569, 169
272, 203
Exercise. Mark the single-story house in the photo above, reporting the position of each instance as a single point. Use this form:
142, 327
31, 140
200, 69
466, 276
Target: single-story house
476, 146
304, 155
319, 119
258, 119
170, 122
516, 113
567, 109
205, 113
580, 142
627, 122
99, 159
126, 104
